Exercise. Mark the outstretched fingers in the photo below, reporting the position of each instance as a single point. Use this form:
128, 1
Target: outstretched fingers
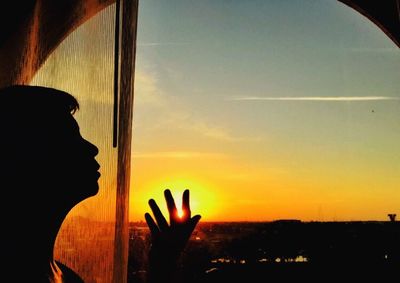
193, 222
161, 221
152, 225
186, 205
158, 224
173, 212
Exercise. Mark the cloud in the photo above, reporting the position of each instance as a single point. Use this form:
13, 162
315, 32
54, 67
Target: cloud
147, 90
151, 103
217, 133
315, 98
178, 155
161, 43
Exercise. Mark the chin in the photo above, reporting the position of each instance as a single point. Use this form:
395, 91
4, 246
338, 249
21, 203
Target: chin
86, 190
91, 189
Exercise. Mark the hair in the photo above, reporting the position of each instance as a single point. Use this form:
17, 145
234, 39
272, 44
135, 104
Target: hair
20, 99
25, 108
28, 117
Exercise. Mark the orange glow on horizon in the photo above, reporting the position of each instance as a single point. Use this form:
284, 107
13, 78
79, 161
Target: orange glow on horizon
202, 198
231, 190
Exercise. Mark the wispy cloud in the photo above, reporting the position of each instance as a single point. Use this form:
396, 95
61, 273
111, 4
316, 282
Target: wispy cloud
147, 90
178, 155
315, 98
217, 133
154, 103
162, 43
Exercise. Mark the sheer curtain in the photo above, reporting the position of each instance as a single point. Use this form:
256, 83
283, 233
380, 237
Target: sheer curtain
71, 46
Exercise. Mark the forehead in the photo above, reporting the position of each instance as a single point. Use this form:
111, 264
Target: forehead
63, 125
41, 134
67, 124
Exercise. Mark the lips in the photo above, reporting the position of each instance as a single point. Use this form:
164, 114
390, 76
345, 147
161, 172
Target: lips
97, 168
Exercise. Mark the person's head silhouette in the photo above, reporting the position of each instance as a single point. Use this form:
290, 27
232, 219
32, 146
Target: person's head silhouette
46, 168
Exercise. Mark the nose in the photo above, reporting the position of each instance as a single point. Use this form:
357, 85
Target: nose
92, 148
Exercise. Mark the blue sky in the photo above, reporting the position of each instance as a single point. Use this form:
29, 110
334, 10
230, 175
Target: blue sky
307, 91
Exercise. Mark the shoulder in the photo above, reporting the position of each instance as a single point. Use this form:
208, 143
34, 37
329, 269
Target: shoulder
69, 275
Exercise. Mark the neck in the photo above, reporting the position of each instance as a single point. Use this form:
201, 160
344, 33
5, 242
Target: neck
30, 248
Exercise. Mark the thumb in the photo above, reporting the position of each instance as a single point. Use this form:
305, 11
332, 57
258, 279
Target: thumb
193, 222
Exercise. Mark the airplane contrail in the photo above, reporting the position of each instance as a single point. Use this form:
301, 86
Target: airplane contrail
315, 98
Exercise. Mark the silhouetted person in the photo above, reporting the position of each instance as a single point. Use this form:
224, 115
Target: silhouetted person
168, 240
46, 169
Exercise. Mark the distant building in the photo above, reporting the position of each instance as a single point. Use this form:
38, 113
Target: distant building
287, 221
392, 217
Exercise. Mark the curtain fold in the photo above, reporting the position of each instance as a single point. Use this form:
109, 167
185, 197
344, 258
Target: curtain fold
126, 94
31, 30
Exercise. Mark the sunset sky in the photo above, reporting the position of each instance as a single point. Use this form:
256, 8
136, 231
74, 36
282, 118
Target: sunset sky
266, 110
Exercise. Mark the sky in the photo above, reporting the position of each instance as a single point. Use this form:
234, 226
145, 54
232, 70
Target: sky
265, 110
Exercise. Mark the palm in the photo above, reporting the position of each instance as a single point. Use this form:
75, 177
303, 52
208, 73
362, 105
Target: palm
169, 240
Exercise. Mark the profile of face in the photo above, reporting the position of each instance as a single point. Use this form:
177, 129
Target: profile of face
44, 159
70, 159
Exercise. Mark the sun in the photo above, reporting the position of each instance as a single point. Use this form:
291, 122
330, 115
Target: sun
202, 197
180, 212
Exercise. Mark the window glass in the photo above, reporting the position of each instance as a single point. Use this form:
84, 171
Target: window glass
278, 116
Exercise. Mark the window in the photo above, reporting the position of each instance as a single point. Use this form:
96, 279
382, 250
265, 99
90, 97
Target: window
282, 118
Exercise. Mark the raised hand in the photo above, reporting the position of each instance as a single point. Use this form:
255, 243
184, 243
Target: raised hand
169, 240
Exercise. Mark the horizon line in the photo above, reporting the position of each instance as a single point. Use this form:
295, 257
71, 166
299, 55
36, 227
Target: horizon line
278, 220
